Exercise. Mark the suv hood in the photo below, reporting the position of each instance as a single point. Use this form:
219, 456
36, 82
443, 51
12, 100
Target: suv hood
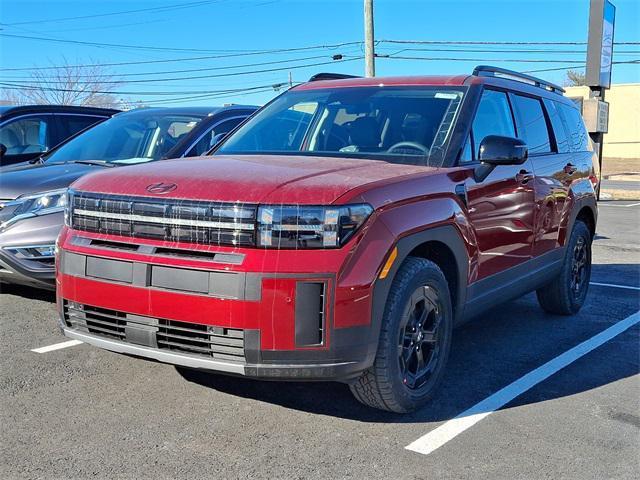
34, 178
249, 178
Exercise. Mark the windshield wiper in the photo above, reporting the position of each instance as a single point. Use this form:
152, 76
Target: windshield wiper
40, 159
101, 163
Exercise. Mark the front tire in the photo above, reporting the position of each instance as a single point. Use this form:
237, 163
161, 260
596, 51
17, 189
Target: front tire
415, 340
566, 293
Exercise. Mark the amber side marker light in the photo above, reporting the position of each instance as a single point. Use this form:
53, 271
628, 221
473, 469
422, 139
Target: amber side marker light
389, 263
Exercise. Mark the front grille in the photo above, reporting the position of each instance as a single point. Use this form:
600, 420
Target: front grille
192, 338
208, 223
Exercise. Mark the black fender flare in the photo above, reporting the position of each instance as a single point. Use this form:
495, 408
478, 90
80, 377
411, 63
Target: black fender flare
581, 200
446, 234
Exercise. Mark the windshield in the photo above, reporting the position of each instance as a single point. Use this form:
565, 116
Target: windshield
128, 138
400, 125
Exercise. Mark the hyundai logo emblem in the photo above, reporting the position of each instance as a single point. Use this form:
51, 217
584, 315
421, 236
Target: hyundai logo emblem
161, 187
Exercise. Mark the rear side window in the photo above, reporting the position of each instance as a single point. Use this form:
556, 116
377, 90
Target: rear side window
27, 135
532, 125
577, 132
72, 124
208, 139
559, 129
284, 132
492, 118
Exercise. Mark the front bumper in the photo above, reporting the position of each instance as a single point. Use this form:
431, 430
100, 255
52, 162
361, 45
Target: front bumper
293, 324
292, 371
36, 231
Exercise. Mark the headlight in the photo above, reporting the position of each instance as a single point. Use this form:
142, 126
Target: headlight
290, 226
32, 205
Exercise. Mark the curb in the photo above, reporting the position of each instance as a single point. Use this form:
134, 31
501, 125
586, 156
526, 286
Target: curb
606, 194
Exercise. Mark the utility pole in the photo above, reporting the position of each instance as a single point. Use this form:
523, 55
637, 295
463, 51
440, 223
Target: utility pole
595, 110
369, 53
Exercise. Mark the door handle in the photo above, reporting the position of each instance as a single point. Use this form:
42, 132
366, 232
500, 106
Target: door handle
523, 176
570, 169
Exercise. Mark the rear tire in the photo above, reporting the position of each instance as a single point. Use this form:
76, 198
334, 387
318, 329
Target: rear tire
415, 340
566, 293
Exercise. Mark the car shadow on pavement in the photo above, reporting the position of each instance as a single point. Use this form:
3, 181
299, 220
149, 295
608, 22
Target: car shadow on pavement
487, 354
28, 292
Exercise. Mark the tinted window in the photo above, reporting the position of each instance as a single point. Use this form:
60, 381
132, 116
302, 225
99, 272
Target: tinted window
577, 131
492, 118
133, 137
30, 134
532, 125
559, 129
72, 124
403, 125
207, 141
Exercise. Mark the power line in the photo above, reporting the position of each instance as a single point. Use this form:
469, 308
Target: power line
499, 50
241, 53
16, 86
250, 91
289, 67
187, 59
100, 27
475, 42
204, 92
221, 94
238, 53
125, 12
219, 75
453, 59
226, 67
582, 65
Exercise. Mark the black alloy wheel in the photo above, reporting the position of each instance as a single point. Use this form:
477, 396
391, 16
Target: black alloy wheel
419, 344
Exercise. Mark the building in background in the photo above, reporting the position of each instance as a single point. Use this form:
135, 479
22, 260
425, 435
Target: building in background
622, 142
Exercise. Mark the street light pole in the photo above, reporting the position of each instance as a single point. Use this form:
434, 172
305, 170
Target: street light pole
369, 53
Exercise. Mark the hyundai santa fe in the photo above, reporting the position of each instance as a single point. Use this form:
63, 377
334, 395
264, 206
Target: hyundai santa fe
340, 233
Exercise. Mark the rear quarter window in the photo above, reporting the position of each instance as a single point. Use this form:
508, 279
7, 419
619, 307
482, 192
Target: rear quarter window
72, 124
578, 135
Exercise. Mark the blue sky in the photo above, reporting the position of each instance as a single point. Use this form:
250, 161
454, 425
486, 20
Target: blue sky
228, 27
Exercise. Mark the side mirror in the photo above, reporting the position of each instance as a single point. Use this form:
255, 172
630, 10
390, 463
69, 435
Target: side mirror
497, 150
3, 149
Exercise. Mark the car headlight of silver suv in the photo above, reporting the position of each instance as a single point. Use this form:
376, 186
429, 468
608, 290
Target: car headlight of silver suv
32, 205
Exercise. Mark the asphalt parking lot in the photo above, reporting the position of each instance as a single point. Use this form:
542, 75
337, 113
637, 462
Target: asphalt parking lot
78, 412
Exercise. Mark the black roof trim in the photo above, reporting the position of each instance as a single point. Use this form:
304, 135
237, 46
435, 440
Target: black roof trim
489, 71
6, 109
331, 76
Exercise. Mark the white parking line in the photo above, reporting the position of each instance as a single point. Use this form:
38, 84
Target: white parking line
57, 346
602, 204
625, 287
449, 430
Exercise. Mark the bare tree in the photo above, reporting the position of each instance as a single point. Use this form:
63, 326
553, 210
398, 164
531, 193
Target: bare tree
575, 78
11, 97
67, 84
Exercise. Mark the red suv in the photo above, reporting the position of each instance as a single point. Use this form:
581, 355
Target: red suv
340, 233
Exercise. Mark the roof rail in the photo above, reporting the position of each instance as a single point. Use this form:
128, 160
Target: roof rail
489, 71
331, 76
